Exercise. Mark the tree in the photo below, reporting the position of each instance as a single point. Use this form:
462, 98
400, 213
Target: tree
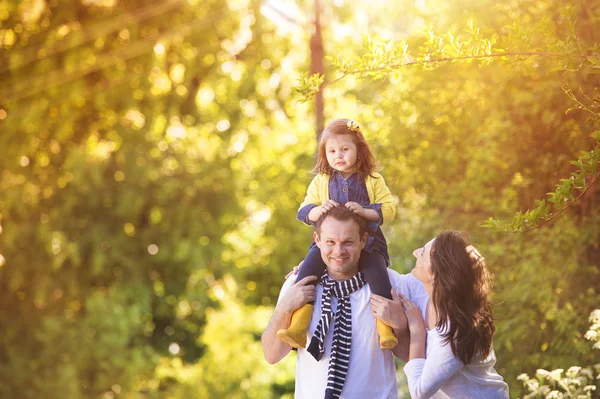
123, 181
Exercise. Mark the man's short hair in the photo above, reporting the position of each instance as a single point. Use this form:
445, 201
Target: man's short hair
342, 214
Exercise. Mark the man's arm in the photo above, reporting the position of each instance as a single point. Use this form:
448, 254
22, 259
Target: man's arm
297, 295
391, 313
401, 350
274, 349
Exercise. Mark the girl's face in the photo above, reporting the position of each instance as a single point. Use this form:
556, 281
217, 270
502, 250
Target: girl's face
422, 269
342, 154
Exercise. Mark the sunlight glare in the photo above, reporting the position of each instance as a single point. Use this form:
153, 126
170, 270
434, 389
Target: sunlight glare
284, 14
159, 49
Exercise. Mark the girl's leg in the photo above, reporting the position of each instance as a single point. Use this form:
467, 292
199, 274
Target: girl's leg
375, 270
312, 265
295, 334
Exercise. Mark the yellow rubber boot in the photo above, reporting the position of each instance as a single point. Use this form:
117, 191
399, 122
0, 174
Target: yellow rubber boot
387, 339
295, 335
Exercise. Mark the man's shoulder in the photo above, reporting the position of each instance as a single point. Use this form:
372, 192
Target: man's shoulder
395, 276
286, 286
407, 284
289, 282
398, 281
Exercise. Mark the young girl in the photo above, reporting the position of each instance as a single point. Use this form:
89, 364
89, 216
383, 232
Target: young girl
346, 177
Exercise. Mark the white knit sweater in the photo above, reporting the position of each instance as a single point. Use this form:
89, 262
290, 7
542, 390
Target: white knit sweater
442, 375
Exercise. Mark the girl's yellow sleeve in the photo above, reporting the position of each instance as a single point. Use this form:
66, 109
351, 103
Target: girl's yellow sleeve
313, 194
383, 196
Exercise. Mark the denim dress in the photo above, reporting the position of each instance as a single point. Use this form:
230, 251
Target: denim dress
353, 190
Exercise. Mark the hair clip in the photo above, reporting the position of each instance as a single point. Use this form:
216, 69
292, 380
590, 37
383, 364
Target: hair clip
353, 126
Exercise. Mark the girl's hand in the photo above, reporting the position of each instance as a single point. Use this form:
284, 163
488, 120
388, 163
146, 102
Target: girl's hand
317, 211
329, 204
413, 314
356, 208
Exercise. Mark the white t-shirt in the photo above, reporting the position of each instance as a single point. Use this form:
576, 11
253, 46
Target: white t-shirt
371, 372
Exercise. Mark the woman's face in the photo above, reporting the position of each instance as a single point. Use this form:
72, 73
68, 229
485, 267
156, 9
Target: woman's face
422, 269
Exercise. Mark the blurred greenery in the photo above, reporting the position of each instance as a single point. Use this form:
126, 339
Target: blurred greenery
154, 154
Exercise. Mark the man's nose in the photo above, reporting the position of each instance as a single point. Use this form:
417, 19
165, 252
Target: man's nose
338, 249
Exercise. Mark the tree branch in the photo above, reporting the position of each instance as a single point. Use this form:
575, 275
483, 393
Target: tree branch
564, 209
466, 57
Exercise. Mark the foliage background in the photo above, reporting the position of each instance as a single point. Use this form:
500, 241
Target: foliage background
154, 153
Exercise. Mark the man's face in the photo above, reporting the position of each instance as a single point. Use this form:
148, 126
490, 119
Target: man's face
340, 244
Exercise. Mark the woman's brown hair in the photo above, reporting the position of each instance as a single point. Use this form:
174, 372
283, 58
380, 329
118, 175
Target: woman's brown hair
461, 294
365, 161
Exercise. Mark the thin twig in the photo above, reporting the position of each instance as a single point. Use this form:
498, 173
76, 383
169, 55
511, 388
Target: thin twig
564, 209
466, 57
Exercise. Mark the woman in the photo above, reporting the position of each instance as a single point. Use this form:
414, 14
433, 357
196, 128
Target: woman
450, 353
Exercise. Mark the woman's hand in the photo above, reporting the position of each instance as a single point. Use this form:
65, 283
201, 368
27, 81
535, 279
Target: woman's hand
413, 315
389, 311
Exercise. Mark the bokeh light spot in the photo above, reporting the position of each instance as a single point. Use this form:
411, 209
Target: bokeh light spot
174, 348
129, 229
152, 249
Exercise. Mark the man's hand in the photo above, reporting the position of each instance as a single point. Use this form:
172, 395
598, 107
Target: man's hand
297, 295
389, 311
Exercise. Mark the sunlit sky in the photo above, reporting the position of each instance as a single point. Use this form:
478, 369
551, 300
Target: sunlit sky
290, 19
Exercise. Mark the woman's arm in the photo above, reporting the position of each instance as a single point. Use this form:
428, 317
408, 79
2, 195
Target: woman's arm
427, 376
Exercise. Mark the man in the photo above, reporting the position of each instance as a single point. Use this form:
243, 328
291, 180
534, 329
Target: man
355, 367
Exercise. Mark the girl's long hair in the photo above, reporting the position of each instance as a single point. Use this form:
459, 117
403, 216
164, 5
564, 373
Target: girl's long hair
365, 161
461, 294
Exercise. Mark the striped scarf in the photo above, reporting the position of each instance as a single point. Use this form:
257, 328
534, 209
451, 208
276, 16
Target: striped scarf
342, 332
